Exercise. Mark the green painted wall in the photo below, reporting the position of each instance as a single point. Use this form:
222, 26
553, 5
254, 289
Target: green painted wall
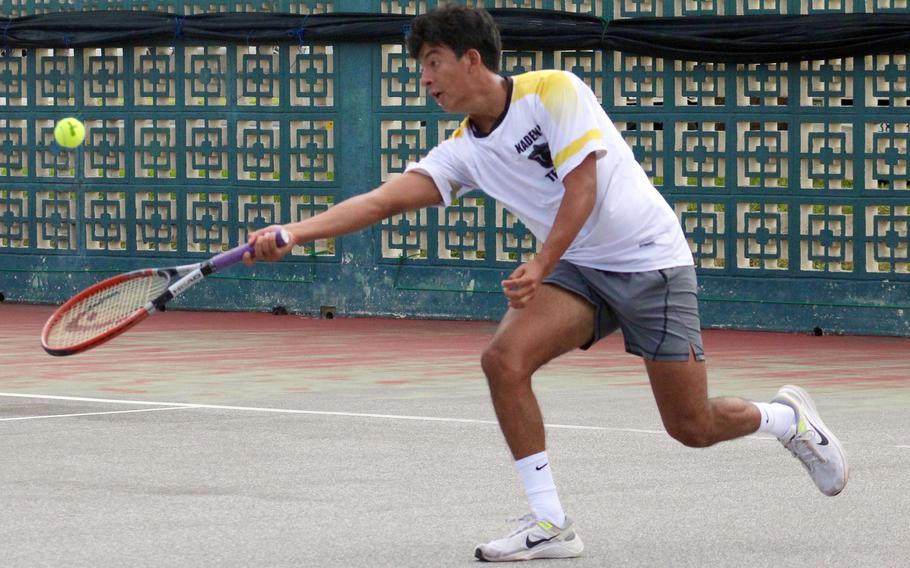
790, 180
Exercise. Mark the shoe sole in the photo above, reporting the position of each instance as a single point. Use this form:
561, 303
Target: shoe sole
544, 551
803, 399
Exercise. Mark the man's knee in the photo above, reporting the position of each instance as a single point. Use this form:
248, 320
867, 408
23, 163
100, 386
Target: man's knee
503, 367
691, 432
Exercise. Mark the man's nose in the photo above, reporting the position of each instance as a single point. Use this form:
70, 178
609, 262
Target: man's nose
425, 79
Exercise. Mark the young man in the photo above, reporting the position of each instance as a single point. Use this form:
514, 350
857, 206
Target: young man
613, 256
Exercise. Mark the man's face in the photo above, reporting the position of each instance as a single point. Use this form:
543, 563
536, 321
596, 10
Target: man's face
444, 75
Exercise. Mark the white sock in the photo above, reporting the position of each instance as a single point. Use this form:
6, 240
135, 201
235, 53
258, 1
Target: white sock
776, 418
537, 478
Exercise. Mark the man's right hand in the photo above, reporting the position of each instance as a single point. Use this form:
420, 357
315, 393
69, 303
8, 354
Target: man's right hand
266, 248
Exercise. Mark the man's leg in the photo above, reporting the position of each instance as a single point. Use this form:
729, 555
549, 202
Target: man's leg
554, 322
658, 312
680, 389
681, 392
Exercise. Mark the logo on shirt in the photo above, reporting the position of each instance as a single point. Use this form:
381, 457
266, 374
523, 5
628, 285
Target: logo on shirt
528, 139
540, 153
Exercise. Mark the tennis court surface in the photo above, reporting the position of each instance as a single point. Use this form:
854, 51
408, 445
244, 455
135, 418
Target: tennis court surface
213, 439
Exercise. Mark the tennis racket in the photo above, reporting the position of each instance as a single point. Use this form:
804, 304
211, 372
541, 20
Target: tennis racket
105, 310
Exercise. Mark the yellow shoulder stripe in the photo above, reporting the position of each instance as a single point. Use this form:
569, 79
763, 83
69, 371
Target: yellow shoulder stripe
576, 145
554, 89
459, 132
530, 83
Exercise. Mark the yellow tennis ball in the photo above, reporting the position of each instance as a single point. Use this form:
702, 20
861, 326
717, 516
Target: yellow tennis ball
69, 132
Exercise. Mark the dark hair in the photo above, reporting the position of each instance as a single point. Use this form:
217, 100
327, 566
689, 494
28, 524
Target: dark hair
459, 28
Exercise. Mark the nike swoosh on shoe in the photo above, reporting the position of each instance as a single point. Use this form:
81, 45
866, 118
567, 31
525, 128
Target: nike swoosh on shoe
823, 440
532, 543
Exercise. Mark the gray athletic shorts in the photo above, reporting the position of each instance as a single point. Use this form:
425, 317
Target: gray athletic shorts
657, 310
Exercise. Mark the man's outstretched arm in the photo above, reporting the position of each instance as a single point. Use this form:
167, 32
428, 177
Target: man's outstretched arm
406, 192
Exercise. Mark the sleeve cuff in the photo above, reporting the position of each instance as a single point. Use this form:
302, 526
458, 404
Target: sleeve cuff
447, 190
595, 146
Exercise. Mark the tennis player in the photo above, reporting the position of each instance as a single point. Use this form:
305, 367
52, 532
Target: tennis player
613, 257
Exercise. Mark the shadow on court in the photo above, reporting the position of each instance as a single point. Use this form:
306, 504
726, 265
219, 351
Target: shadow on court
212, 439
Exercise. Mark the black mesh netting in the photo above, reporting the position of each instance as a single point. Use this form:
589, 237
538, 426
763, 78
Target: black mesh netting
731, 39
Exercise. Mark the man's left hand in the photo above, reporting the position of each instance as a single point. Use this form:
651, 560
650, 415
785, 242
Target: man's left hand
521, 286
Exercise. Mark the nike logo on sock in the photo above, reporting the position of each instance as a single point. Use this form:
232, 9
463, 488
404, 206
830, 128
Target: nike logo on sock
540, 467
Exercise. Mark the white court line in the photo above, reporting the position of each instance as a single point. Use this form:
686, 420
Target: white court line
351, 414
905, 447
318, 412
93, 413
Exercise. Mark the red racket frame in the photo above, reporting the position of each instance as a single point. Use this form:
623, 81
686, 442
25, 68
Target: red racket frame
137, 316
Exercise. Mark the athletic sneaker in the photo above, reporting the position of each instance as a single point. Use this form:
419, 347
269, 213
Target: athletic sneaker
813, 443
533, 539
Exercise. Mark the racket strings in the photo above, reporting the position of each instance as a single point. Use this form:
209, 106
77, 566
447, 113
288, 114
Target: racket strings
104, 310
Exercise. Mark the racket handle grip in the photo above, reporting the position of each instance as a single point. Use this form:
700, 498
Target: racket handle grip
235, 255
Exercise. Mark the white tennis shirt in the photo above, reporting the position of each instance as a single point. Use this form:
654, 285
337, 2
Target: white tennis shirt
551, 123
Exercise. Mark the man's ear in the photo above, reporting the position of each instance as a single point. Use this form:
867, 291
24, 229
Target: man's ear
474, 57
